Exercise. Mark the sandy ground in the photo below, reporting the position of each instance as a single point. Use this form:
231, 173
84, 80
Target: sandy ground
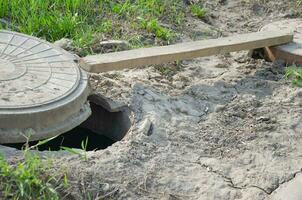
222, 127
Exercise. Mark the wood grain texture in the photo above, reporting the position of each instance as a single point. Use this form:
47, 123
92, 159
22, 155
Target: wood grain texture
157, 55
290, 53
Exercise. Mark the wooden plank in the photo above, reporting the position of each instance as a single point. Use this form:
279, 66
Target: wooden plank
275, 53
188, 50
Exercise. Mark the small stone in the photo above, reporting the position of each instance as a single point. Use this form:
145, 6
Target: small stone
241, 114
141, 92
206, 110
179, 84
263, 119
221, 65
209, 169
106, 187
143, 156
111, 45
220, 108
146, 127
64, 43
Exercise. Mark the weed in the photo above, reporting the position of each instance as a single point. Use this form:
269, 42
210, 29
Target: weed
84, 145
26, 180
153, 26
294, 74
198, 11
299, 7
29, 179
81, 152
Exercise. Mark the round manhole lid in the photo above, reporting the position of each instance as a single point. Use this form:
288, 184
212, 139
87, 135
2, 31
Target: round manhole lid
43, 91
292, 52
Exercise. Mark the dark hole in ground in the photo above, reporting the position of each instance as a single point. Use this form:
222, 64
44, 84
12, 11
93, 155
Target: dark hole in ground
259, 54
103, 128
73, 139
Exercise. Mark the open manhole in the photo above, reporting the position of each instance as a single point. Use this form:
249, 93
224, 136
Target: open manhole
44, 94
292, 52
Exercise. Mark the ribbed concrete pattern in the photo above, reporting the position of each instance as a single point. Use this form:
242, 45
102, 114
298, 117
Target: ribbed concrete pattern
42, 90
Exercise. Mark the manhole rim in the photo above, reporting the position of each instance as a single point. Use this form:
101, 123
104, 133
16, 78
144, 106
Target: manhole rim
71, 108
82, 75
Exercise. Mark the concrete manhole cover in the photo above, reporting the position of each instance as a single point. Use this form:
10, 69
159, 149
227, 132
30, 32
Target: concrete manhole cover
292, 53
42, 90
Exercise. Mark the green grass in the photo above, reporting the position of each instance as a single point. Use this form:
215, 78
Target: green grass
30, 179
198, 11
80, 152
298, 7
86, 21
294, 74
26, 180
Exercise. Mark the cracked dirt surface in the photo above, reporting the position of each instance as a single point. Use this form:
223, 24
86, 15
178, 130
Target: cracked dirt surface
229, 133
222, 127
